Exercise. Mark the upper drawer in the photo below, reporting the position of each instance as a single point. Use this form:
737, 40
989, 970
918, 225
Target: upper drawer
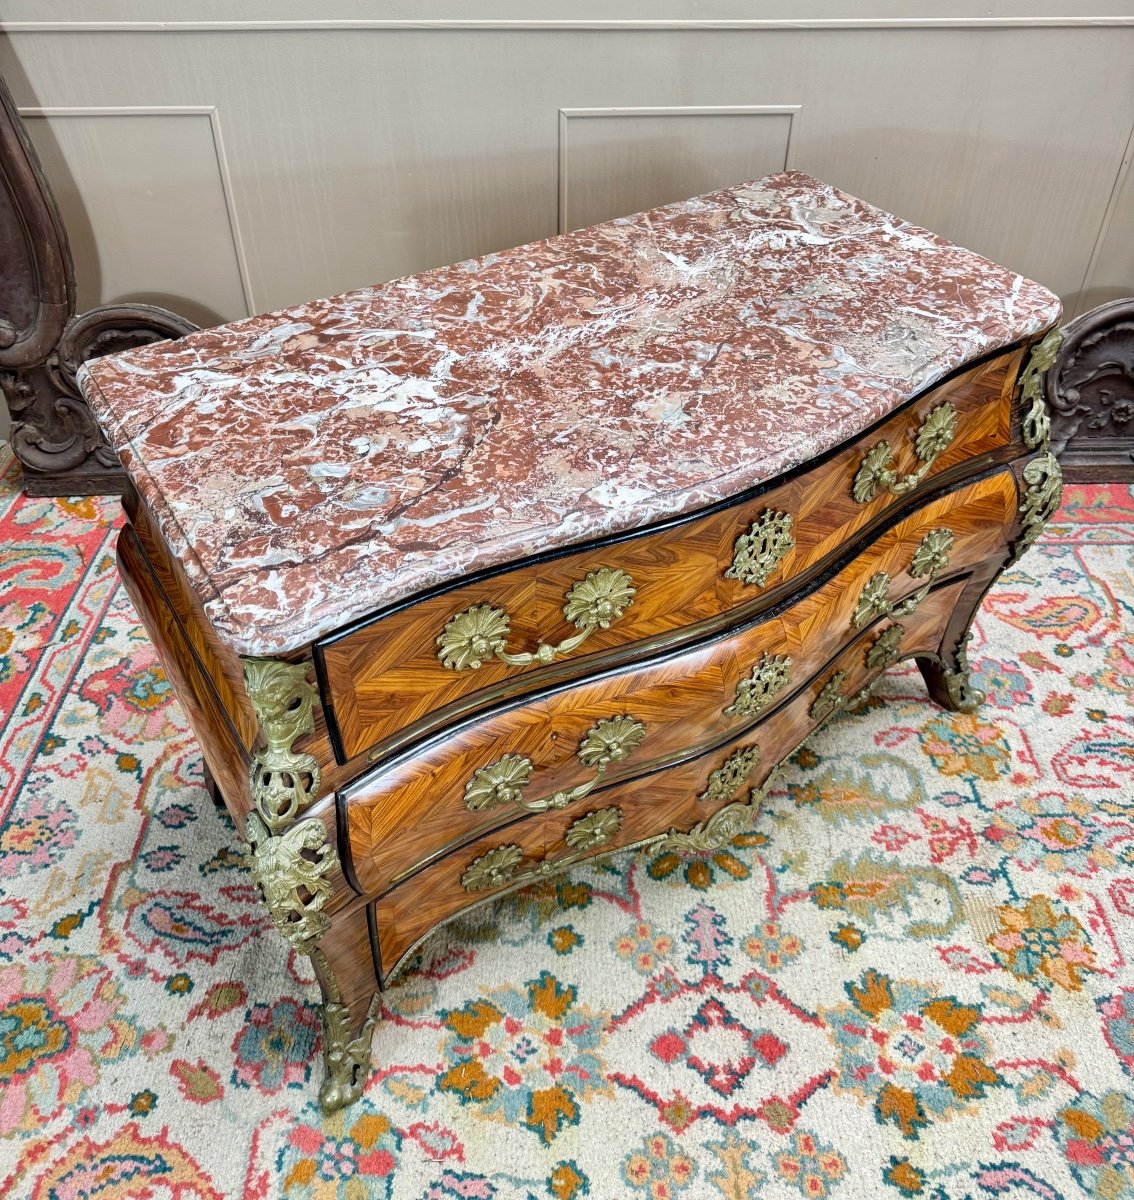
555, 749
454, 651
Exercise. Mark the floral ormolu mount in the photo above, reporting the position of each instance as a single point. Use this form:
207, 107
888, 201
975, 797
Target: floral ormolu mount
439, 649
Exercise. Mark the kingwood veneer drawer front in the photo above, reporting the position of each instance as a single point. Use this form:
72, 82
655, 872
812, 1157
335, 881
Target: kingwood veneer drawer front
470, 646
679, 797
556, 750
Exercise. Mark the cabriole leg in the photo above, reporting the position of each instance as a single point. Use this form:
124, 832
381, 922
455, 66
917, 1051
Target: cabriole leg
293, 859
292, 869
947, 674
345, 969
949, 679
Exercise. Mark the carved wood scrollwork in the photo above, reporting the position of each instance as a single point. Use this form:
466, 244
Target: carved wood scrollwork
1090, 395
43, 342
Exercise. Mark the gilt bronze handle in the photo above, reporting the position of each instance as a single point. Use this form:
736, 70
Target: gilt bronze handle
886, 648
883, 653
929, 560
504, 781
832, 697
500, 866
481, 632
879, 469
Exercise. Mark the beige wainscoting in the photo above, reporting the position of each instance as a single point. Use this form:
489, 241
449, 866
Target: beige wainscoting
224, 157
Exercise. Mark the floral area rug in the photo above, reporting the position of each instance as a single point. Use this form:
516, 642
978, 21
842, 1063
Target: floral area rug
912, 978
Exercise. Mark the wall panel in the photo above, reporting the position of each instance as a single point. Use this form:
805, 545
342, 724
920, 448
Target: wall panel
614, 161
144, 197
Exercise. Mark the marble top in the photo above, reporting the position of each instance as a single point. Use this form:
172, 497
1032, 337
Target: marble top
312, 465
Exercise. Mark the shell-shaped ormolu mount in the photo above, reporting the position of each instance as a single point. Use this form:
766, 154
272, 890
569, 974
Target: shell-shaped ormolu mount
830, 697
493, 869
479, 633
878, 471
929, 559
599, 599
502, 782
500, 866
595, 829
611, 740
936, 433
473, 636
932, 555
886, 648
873, 600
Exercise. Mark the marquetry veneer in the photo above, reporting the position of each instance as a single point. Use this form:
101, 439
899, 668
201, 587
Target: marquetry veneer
479, 574
385, 684
416, 806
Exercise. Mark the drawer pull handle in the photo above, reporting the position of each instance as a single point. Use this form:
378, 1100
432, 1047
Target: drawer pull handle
503, 782
769, 677
481, 632
879, 469
886, 648
929, 560
731, 775
832, 697
501, 865
758, 552
884, 652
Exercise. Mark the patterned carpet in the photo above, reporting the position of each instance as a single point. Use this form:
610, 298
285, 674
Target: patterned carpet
911, 979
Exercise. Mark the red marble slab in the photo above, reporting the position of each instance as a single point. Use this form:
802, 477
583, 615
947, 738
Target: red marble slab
312, 465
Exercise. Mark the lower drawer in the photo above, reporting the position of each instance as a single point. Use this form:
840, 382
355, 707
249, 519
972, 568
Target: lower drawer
563, 749
676, 798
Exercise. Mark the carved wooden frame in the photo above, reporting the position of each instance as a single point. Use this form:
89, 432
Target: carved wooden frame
43, 342
1090, 395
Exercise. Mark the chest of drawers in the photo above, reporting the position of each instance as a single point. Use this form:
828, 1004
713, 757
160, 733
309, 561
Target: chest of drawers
477, 574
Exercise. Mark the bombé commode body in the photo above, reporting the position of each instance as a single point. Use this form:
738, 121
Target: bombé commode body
482, 572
